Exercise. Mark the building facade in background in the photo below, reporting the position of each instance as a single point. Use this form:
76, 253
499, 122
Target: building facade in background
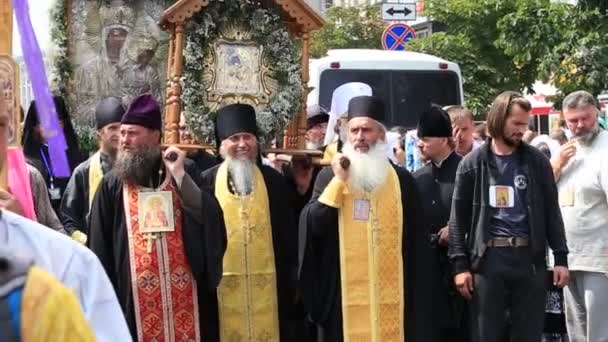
25, 84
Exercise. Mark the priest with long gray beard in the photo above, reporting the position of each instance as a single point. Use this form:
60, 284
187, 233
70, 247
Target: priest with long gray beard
363, 273
160, 239
256, 295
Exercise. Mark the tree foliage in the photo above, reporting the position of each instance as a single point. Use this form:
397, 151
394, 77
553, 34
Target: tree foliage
348, 27
565, 45
499, 44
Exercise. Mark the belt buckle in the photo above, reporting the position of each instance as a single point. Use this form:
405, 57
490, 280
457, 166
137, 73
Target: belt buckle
511, 241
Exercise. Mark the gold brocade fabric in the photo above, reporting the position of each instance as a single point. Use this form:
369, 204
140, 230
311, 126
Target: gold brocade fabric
247, 294
50, 312
95, 176
371, 262
330, 151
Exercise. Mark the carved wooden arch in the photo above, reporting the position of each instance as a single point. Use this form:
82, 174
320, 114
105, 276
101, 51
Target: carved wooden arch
294, 11
300, 19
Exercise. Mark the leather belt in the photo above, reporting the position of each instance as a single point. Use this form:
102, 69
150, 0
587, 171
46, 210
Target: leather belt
509, 242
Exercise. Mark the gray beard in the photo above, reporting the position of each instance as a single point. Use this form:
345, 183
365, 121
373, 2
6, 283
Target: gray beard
588, 137
367, 171
139, 165
242, 174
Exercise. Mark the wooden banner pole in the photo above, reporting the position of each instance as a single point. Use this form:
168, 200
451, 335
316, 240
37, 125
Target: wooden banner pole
6, 48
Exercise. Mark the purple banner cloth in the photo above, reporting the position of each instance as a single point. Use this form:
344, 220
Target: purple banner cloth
47, 114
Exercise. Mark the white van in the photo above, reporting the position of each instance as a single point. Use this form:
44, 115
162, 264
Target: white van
407, 81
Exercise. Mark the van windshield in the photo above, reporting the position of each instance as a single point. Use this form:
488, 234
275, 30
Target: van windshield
405, 92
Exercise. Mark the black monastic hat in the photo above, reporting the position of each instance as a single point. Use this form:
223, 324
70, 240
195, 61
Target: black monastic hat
434, 122
108, 110
233, 119
366, 106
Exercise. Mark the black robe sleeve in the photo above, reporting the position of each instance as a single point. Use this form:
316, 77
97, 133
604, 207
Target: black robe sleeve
419, 325
102, 224
75, 201
193, 171
318, 259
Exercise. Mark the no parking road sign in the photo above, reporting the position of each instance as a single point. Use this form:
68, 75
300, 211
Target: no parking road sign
396, 36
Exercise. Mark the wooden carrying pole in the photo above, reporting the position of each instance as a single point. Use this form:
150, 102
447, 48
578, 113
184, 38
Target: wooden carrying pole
6, 48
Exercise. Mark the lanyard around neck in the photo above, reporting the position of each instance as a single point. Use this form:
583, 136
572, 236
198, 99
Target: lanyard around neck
47, 165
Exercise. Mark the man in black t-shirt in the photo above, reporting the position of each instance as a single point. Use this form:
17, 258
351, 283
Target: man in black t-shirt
504, 211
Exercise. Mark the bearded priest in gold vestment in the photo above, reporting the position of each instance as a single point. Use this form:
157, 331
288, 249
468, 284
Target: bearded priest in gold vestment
363, 274
256, 292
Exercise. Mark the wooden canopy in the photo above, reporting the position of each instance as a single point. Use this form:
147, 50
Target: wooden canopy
300, 19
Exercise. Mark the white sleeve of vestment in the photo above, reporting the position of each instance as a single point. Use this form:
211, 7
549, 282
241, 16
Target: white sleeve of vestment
76, 267
98, 299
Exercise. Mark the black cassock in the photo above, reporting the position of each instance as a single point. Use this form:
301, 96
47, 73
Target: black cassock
320, 263
284, 240
204, 244
436, 185
75, 201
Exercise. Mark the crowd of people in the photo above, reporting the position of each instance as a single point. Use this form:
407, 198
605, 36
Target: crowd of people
451, 232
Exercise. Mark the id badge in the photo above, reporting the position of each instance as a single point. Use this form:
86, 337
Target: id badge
502, 196
361, 210
566, 197
55, 193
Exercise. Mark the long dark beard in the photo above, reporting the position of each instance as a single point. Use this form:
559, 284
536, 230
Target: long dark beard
139, 165
511, 142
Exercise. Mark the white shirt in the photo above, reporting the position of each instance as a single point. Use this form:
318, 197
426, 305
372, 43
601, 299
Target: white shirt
75, 266
583, 195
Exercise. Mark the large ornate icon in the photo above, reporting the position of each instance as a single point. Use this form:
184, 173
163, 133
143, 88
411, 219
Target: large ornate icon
9, 93
116, 49
236, 69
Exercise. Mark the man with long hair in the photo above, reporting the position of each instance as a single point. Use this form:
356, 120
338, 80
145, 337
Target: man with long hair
504, 211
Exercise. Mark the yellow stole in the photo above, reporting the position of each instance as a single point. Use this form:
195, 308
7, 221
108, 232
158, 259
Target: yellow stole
371, 263
95, 176
330, 151
247, 295
51, 312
